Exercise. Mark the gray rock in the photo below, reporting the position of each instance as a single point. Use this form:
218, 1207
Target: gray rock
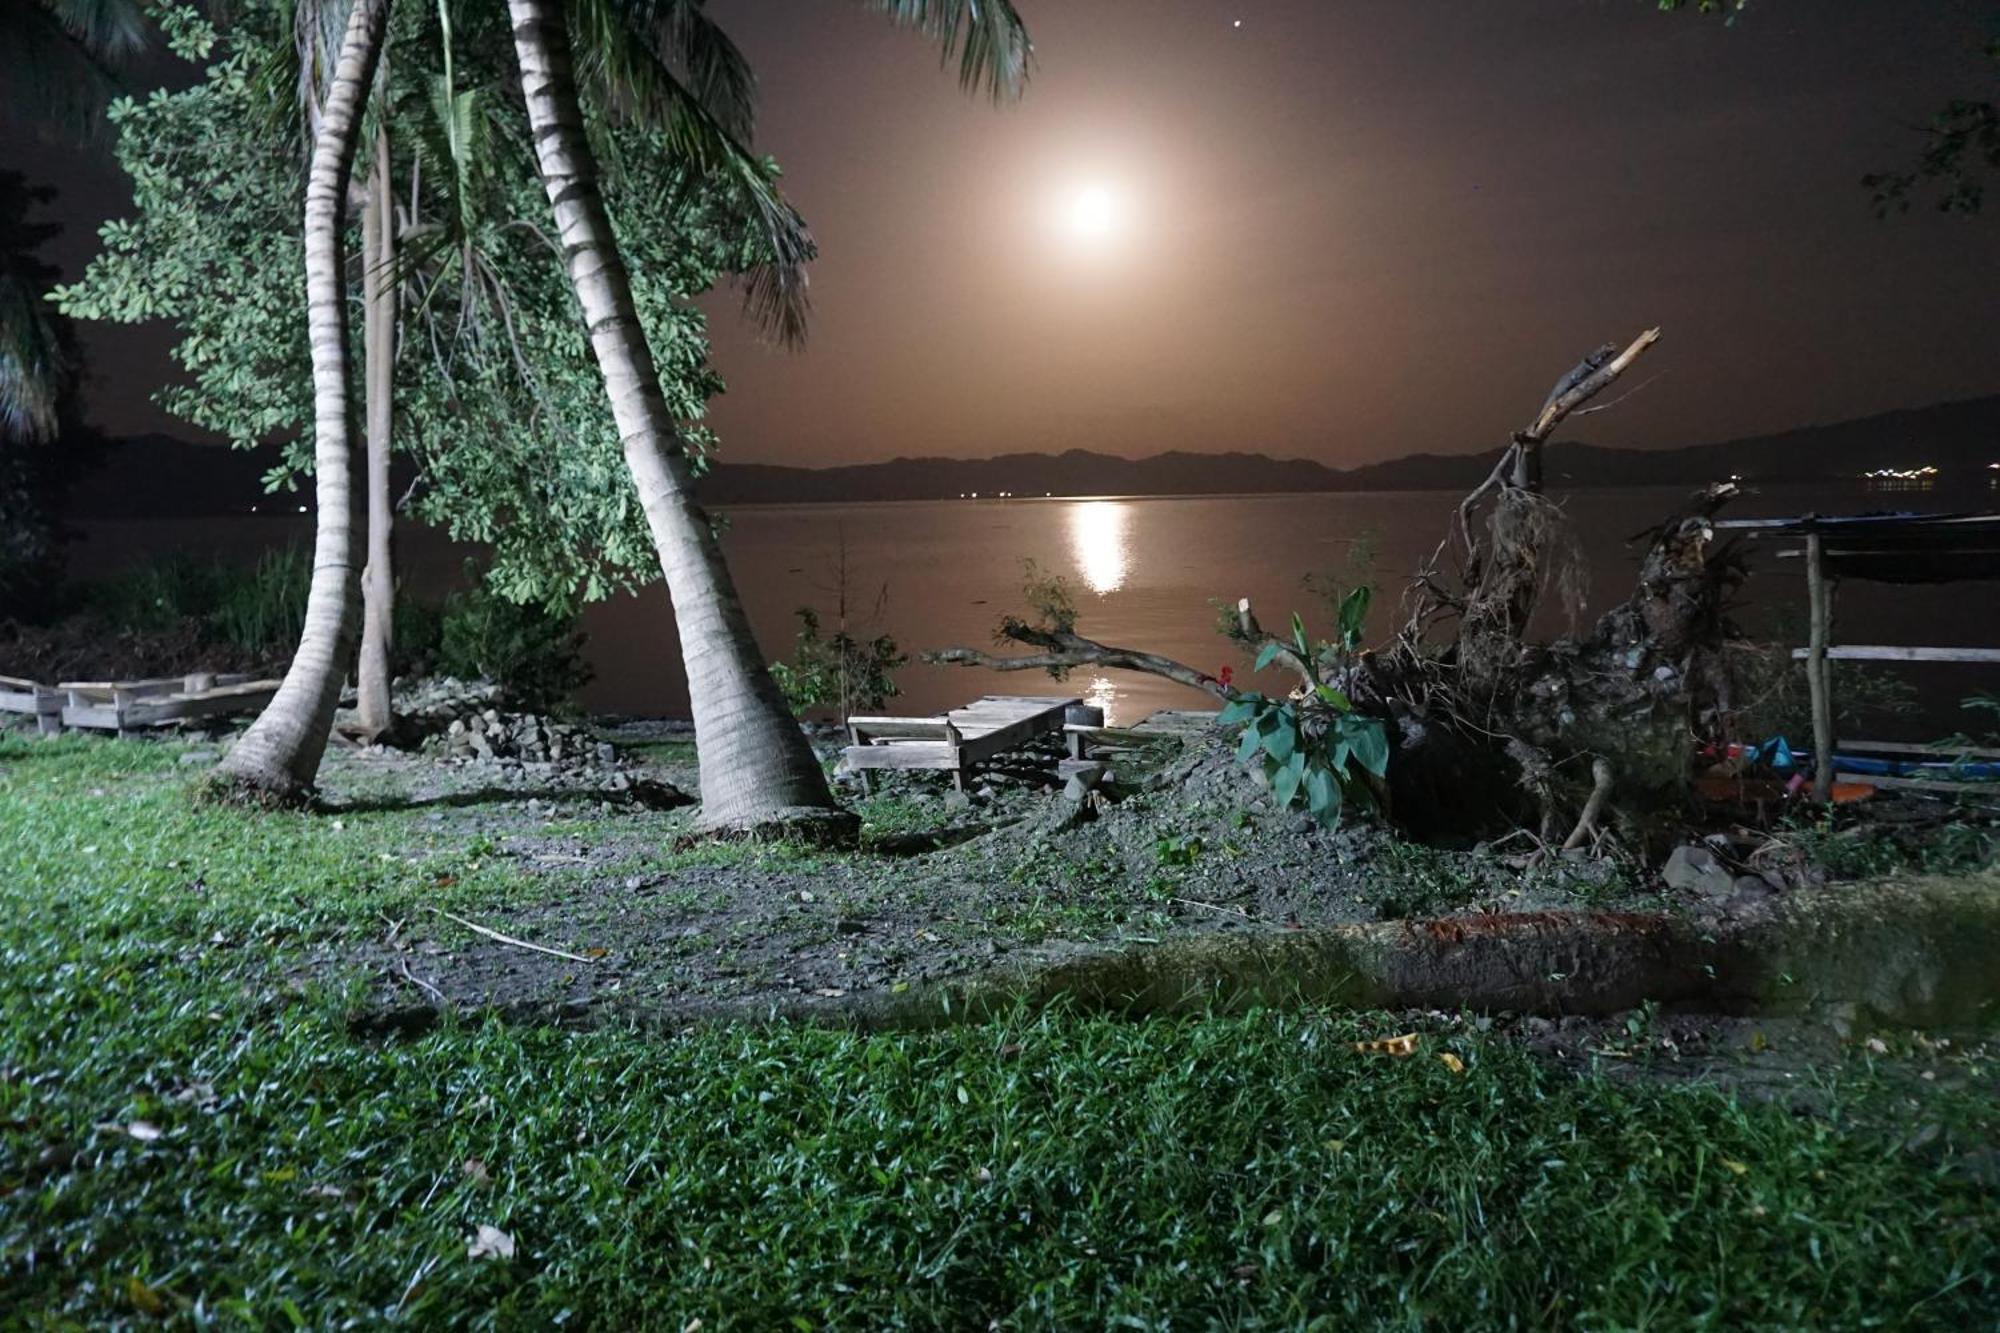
1753, 888
194, 757
1694, 869
957, 800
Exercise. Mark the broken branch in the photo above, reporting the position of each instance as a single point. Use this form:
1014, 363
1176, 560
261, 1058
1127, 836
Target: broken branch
1064, 650
492, 934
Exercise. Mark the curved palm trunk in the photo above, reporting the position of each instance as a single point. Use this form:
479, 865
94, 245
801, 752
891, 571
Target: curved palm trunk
378, 579
755, 763
278, 757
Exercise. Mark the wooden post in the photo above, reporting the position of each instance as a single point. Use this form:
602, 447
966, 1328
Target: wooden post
1083, 715
1817, 681
953, 738
867, 778
48, 711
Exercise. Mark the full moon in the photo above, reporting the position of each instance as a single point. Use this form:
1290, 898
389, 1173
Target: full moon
1094, 213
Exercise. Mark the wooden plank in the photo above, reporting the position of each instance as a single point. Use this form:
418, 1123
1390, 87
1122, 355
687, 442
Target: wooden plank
39, 702
91, 716
902, 754
104, 690
1898, 653
1089, 767
863, 729
1926, 784
1942, 754
213, 703
976, 748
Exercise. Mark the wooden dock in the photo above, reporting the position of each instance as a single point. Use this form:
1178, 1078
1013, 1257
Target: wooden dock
956, 742
126, 706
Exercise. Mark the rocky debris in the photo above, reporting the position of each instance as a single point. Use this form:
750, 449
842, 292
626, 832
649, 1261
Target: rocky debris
1692, 868
465, 720
491, 734
429, 704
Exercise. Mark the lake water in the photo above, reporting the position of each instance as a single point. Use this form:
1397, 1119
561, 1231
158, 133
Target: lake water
1143, 572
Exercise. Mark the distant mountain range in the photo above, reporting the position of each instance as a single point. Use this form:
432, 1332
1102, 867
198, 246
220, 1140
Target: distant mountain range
160, 476
1951, 436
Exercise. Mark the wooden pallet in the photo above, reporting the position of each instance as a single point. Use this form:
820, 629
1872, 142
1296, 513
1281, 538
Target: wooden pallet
956, 742
131, 705
44, 703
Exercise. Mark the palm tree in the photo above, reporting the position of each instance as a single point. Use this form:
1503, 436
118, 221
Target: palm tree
59, 69
278, 757
756, 768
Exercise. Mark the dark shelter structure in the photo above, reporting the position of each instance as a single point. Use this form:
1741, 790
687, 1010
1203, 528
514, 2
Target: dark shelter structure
1882, 548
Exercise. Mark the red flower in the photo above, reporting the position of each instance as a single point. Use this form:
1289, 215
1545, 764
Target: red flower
1226, 676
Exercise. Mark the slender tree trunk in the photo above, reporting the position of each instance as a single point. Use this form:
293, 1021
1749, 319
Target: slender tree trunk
278, 757
755, 764
378, 579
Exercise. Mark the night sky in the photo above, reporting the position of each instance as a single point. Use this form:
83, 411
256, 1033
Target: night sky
1339, 230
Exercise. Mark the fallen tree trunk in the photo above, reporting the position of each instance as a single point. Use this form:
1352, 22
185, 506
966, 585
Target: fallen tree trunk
1897, 952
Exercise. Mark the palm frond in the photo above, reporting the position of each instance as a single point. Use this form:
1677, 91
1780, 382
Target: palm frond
36, 363
457, 145
628, 78
625, 47
988, 37
52, 78
108, 29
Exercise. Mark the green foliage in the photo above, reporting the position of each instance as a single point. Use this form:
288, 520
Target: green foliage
838, 671
1347, 590
534, 651
1048, 596
499, 402
1312, 751
264, 608
1852, 846
1245, 1171
1312, 747
258, 608
1986, 706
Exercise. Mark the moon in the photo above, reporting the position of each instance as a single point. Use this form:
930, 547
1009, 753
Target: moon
1094, 213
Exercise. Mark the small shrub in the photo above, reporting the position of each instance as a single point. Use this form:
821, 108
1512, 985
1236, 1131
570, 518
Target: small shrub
418, 634
263, 609
534, 652
838, 671
1313, 747
259, 608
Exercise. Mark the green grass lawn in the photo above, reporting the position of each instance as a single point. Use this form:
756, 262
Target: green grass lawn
188, 1137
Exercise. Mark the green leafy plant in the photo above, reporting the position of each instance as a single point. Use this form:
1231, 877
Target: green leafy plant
534, 651
1312, 746
838, 671
263, 609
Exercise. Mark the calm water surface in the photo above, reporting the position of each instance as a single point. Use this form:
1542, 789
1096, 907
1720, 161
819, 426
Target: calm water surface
1144, 574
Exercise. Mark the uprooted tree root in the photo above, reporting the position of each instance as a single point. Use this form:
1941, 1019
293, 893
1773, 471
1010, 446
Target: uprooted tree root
1585, 741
